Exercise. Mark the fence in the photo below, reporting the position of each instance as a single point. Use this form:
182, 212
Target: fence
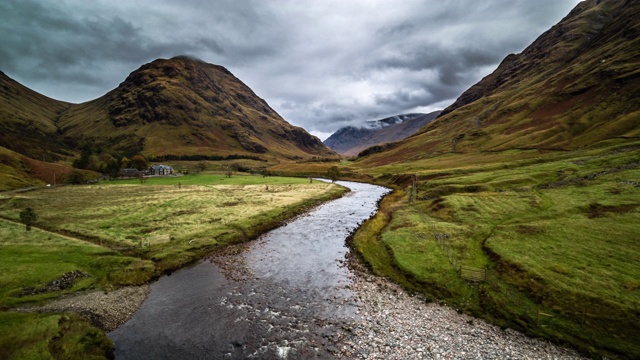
468, 273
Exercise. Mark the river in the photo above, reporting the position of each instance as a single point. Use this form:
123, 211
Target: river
286, 295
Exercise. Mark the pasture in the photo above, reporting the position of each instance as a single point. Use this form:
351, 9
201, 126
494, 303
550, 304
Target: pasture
557, 235
124, 233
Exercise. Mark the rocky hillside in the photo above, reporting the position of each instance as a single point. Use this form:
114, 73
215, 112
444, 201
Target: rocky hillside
577, 85
173, 107
184, 106
350, 140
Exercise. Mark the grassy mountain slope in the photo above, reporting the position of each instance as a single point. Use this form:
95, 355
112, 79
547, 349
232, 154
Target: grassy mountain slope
531, 176
19, 171
183, 106
179, 106
28, 121
576, 85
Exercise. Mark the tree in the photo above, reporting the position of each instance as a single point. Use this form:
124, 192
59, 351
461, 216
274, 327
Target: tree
201, 166
28, 216
333, 173
83, 161
139, 162
112, 168
125, 162
76, 177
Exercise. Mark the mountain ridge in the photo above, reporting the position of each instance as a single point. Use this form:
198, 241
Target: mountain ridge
574, 86
209, 112
351, 140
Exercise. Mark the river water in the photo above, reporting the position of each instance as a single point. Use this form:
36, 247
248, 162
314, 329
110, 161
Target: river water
285, 295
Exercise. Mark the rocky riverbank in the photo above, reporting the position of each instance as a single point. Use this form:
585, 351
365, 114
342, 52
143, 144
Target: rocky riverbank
393, 324
106, 310
389, 324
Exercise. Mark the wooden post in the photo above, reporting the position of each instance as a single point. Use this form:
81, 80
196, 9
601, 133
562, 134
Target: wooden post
543, 314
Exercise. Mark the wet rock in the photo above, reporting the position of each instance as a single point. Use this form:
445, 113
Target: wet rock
64, 282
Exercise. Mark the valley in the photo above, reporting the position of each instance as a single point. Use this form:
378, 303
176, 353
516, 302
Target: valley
511, 217
99, 234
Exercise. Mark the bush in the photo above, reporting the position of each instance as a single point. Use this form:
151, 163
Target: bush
28, 216
76, 178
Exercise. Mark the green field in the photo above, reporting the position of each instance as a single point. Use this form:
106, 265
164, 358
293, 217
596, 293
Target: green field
557, 235
171, 221
35, 258
124, 233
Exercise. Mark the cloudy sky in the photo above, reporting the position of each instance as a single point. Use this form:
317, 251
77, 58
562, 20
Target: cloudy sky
321, 64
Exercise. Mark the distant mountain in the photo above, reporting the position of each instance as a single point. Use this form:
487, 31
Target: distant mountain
174, 107
576, 85
351, 140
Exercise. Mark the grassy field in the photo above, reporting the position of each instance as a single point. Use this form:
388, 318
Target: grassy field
171, 221
36, 258
121, 233
557, 234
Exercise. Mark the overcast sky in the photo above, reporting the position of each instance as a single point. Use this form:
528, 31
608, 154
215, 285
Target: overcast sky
320, 64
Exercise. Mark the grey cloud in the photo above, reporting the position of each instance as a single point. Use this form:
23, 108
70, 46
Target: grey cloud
321, 64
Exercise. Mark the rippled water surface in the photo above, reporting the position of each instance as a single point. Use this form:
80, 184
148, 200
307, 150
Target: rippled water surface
285, 296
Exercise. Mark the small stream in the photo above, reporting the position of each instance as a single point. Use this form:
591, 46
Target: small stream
285, 295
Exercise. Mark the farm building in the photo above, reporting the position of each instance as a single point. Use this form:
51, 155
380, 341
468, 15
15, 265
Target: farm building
130, 172
160, 170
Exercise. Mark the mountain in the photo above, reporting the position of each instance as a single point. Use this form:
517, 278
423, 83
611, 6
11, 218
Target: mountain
28, 122
169, 107
183, 106
577, 85
179, 106
352, 140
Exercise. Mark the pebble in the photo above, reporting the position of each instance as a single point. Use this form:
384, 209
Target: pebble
106, 310
396, 325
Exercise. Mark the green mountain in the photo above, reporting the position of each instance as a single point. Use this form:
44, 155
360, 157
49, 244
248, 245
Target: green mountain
28, 122
184, 106
175, 107
575, 86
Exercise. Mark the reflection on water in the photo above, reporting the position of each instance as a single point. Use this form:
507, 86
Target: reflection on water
290, 301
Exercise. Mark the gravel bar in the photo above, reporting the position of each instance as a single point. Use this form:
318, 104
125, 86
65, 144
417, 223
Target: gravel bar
393, 324
106, 310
